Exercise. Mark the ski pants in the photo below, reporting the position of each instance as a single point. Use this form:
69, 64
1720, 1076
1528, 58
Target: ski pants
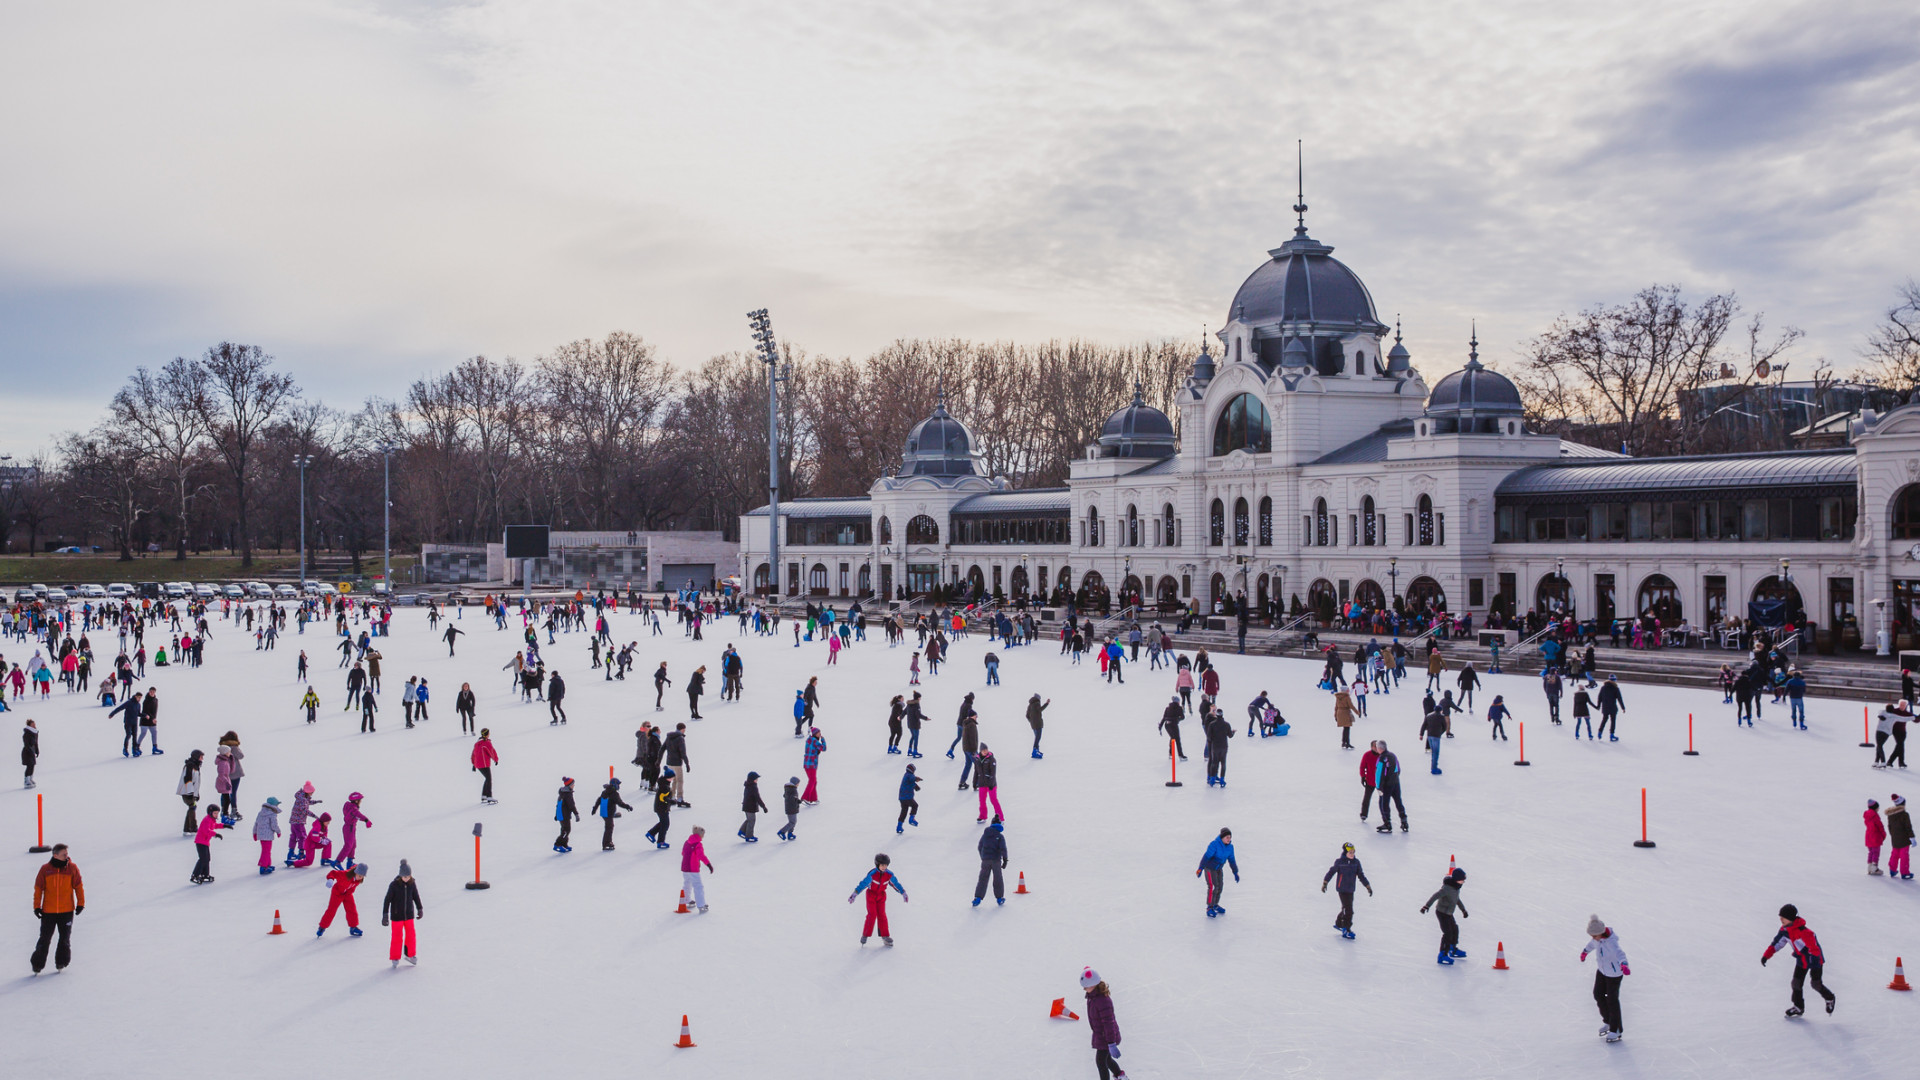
1801, 970
1103, 1061
993, 793
991, 868
1449, 931
1344, 920
323, 848
1606, 994
402, 939
876, 913
696, 888
566, 832
337, 903
1900, 861
205, 862
1394, 794
658, 834
893, 735
266, 853
62, 922
606, 834
1216, 884
486, 785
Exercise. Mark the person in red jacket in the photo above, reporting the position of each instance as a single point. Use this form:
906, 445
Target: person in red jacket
1808, 960
344, 882
485, 757
1367, 761
875, 885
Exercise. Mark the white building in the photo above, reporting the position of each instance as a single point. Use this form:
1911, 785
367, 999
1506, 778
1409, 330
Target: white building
1312, 459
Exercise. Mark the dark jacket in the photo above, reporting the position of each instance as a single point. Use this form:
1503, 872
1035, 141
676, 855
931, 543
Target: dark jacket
610, 801
993, 846
696, 684
1610, 699
556, 687
790, 798
914, 716
909, 784
675, 746
1347, 868
1447, 896
1036, 712
985, 771
563, 807
1434, 724
1106, 1029
1582, 704
463, 702
750, 800
1899, 827
1170, 719
402, 902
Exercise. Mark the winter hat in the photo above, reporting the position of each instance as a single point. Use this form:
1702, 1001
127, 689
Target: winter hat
307, 788
1899, 800
1089, 979
615, 782
326, 817
273, 800
796, 780
1459, 876
1788, 911
405, 870
567, 780
1873, 804
1344, 848
359, 869
699, 830
753, 776
355, 797
1595, 927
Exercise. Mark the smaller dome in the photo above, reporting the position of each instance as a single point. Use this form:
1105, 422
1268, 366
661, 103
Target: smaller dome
940, 446
1203, 365
1296, 354
1474, 399
1399, 360
1139, 431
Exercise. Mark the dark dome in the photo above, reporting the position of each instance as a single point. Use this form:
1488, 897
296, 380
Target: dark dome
1139, 430
1304, 283
940, 445
1468, 398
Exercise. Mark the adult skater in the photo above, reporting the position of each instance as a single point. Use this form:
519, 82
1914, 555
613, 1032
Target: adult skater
693, 855
556, 691
1433, 729
58, 895
1106, 1029
696, 685
350, 821
452, 632
566, 813
1610, 962
896, 711
1611, 705
790, 804
916, 716
1447, 897
875, 885
203, 838
810, 764
1213, 864
752, 805
993, 863
674, 749
1367, 762
1582, 710
1170, 725
1218, 731
1347, 869
660, 684
1386, 777
663, 803
1550, 686
149, 723
464, 703
986, 782
188, 789
608, 806
484, 758
1342, 716
128, 711
909, 805
340, 898
1808, 960
266, 826
1037, 720
400, 908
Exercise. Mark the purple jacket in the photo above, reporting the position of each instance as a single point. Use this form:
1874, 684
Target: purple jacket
1106, 1030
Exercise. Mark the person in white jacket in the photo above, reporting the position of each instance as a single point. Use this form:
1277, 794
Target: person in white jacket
1611, 961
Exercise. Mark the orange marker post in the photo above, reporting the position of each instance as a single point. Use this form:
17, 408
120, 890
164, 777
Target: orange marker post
1643, 842
1690, 751
39, 825
476, 883
1866, 727
1173, 765
1523, 745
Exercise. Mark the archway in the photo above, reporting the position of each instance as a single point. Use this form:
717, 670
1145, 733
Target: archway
1660, 598
1169, 594
976, 582
1018, 582
1260, 594
1906, 513
1369, 595
923, 530
1130, 590
1553, 596
1774, 601
1216, 594
817, 580
1426, 593
1322, 598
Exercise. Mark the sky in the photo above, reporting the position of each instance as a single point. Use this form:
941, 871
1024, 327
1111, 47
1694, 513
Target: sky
375, 191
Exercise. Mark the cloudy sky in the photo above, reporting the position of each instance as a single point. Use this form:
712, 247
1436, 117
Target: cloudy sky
373, 191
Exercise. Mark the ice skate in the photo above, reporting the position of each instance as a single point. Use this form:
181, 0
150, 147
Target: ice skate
413, 961
887, 941
1793, 1011
1613, 1036
1445, 959
355, 931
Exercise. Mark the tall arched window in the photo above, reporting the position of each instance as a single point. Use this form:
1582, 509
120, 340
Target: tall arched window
1093, 526
1423, 515
1369, 523
923, 530
1242, 425
1240, 524
1133, 526
1266, 521
1320, 522
1171, 537
1217, 521
886, 530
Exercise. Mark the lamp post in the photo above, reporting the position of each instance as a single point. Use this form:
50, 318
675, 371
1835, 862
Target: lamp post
301, 461
386, 519
769, 353
1560, 575
1393, 577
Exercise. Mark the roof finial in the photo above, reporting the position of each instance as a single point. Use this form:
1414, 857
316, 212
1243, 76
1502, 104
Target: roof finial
1473, 348
940, 395
1139, 393
1300, 198
1396, 328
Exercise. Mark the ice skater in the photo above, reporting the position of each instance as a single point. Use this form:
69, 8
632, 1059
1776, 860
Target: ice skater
350, 821
1876, 835
1106, 1029
1217, 859
693, 855
1610, 962
400, 908
608, 806
340, 898
875, 885
663, 803
790, 804
1808, 960
303, 803
909, 805
319, 844
816, 745
752, 805
1386, 778
1496, 713
1347, 870
993, 863
566, 813
484, 758
203, 838
266, 826
986, 782
1447, 898
1900, 837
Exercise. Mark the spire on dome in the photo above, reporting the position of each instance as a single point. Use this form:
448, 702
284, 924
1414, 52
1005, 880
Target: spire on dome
1473, 349
1399, 360
1300, 195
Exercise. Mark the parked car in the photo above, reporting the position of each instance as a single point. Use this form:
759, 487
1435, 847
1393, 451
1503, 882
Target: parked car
175, 591
205, 591
260, 589
25, 596
151, 590
285, 592
93, 592
56, 596
234, 592
380, 588
119, 590
314, 588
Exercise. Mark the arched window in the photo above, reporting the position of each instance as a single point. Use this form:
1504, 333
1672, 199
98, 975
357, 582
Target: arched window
1424, 516
1168, 532
1424, 593
1322, 592
1554, 595
1906, 513
1660, 598
1240, 524
1242, 425
1266, 521
866, 578
886, 530
923, 530
817, 579
1093, 526
1133, 526
1369, 523
1369, 595
1217, 518
1320, 522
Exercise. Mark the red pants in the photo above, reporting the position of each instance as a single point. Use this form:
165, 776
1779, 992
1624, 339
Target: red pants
876, 913
994, 794
1899, 861
402, 928
335, 903
266, 853
812, 794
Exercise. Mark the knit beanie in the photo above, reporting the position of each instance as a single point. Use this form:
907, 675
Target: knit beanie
1595, 927
405, 870
1788, 911
1089, 979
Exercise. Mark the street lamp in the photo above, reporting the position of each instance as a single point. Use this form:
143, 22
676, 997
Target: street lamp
386, 518
1393, 576
769, 352
301, 461
1560, 575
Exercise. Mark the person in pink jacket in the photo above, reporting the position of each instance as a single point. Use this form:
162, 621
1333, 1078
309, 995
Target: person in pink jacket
318, 843
693, 855
1876, 835
484, 759
350, 821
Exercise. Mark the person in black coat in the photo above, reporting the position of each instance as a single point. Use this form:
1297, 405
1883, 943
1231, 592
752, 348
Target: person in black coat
556, 690
1170, 724
566, 813
896, 710
1218, 732
400, 907
696, 685
790, 802
464, 704
914, 718
753, 805
1610, 705
993, 862
1347, 869
675, 749
608, 807
30, 753
662, 812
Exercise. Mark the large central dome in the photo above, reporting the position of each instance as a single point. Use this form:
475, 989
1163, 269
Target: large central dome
1303, 283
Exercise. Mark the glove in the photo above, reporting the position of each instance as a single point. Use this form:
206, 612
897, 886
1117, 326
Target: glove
1423, 911
80, 908
1369, 890
1236, 879
1113, 1050
904, 898
1763, 961
1463, 913
1624, 970
1196, 873
39, 914
1323, 886
383, 922
850, 898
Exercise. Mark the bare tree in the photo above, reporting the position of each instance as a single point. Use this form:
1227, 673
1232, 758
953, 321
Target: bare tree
106, 476
245, 396
1893, 347
165, 416
604, 400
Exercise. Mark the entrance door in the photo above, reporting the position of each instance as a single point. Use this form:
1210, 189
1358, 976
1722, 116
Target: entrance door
922, 578
1603, 600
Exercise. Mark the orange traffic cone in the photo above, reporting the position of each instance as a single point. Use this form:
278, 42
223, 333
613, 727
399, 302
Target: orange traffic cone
1500, 957
1451, 865
277, 929
1061, 1012
686, 1034
1022, 889
1899, 977
682, 910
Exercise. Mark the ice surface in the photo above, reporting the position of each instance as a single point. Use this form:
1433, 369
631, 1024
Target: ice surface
574, 964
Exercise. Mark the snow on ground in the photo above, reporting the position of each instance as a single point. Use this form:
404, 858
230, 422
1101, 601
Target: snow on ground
574, 964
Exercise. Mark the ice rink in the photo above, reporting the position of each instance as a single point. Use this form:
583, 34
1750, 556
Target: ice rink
575, 964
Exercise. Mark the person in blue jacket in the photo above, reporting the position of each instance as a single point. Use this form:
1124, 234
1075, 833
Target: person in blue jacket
909, 806
1797, 698
799, 711
1497, 712
1218, 858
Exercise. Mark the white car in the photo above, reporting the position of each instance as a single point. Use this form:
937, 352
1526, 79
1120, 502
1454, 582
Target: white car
285, 592
93, 592
234, 592
260, 589
40, 591
119, 591
205, 591
56, 596
176, 590
314, 588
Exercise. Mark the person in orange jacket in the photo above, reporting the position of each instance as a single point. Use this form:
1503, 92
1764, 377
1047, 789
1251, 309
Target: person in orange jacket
484, 759
58, 895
